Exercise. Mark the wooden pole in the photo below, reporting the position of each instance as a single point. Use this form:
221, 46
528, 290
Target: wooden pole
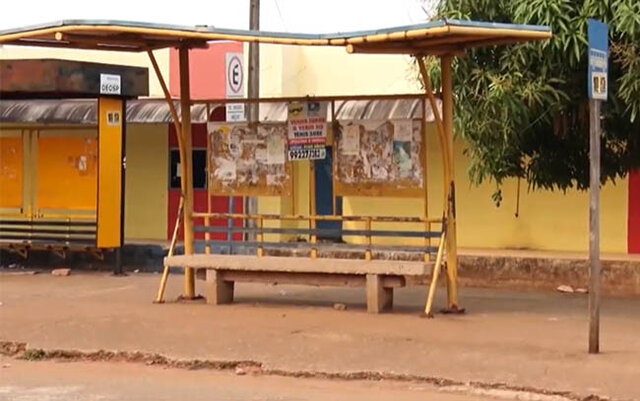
253, 89
594, 226
187, 168
447, 119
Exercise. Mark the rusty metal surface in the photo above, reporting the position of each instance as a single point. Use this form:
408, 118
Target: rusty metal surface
52, 78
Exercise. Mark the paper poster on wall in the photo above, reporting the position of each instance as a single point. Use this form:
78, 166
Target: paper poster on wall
261, 155
275, 150
226, 170
248, 161
402, 158
350, 144
402, 130
307, 130
376, 153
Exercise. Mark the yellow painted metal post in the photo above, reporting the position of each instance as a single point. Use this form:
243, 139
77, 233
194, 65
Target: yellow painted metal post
367, 254
423, 131
187, 168
451, 238
440, 127
434, 277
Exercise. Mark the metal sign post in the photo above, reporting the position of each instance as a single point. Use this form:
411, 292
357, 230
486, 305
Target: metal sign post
597, 87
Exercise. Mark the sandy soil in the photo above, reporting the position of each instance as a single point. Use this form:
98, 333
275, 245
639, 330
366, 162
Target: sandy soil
521, 339
51, 381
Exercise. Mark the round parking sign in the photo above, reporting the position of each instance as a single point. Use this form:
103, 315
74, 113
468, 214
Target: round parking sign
234, 75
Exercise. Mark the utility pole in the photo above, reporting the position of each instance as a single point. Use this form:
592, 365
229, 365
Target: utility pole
251, 203
597, 89
254, 60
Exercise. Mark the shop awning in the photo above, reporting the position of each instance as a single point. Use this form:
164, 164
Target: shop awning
435, 37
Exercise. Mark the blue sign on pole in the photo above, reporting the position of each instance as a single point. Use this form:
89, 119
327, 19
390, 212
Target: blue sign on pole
597, 80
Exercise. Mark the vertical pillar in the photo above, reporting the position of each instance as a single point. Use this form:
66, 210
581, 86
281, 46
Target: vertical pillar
594, 226
187, 168
451, 237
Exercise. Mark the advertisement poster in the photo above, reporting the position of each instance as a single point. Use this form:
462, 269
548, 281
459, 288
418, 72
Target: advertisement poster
307, 134
351, 140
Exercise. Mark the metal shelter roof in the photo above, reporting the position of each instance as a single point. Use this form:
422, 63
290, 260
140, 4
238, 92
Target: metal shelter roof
435, 37
149, 111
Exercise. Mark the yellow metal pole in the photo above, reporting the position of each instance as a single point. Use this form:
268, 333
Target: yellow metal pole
452, 256
187, 168
167, 97
434, 277
174, 238
367, 254
423, 131
441, 129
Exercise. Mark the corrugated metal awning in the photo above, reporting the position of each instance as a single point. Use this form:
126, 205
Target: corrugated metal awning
148, 111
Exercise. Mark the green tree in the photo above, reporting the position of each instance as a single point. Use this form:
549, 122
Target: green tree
523, 109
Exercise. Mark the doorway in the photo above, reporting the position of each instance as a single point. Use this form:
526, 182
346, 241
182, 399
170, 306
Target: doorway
324, 199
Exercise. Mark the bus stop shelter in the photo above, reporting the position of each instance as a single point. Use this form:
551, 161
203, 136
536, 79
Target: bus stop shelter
444, 39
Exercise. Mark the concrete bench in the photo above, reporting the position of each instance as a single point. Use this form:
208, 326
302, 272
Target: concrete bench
379, 277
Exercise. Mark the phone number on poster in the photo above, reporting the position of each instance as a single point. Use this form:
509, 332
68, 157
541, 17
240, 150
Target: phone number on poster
307, 154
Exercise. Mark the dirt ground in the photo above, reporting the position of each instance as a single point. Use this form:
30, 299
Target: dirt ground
51, 381
531, 340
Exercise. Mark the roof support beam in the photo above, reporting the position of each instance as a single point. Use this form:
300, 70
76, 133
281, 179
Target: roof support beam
187, 168
69, 45
403, 49
125, 40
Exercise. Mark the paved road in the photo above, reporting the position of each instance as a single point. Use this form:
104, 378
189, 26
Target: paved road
91, 381
522, 339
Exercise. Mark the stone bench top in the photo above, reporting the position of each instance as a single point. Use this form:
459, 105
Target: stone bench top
300, 264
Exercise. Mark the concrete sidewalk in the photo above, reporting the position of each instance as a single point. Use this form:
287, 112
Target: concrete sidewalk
521, 339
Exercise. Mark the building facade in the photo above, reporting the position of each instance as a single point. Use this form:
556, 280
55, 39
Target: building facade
536, 220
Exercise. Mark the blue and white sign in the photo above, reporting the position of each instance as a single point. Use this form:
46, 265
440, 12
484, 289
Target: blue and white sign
597, 79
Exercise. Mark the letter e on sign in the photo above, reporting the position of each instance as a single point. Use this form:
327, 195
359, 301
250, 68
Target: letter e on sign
234, 75
110, 84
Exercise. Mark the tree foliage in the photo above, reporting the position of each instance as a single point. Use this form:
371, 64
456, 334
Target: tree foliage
523, 108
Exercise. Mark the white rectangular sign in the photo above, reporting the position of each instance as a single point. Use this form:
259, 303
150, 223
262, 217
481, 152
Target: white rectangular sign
110, 84
235, 112
234, 75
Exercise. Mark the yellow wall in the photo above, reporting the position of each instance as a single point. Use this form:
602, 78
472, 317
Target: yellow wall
132, 59
146, 182
547, 220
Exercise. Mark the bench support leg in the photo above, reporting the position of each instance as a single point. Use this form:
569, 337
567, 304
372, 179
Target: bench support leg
218, 291
379, 298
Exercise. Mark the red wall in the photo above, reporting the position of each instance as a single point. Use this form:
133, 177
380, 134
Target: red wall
634, 212
207, 81
219, 204
206, 70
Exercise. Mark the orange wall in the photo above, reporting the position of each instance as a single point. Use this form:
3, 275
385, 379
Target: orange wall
67, 173
11, 172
